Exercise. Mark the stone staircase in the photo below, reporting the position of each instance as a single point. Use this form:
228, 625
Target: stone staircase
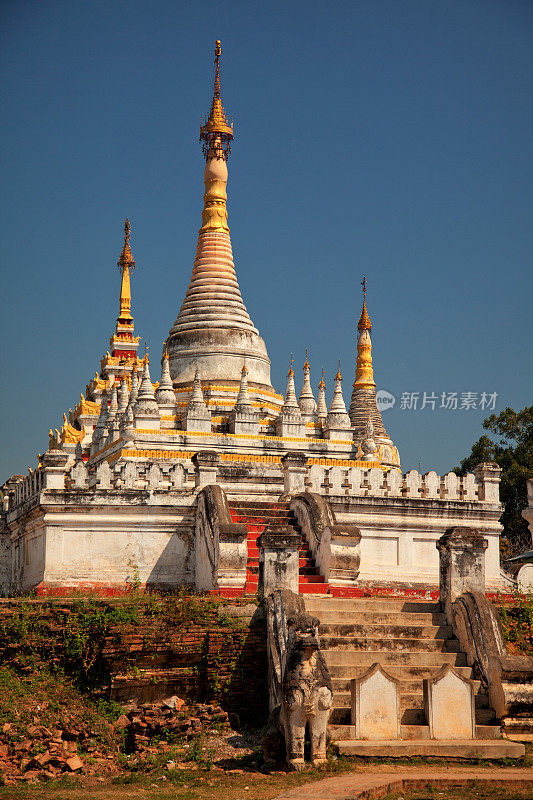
410, 640
257, 516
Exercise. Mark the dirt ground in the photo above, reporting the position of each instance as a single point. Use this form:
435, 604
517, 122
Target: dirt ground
234, 775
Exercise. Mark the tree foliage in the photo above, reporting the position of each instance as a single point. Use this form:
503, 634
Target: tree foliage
512, 450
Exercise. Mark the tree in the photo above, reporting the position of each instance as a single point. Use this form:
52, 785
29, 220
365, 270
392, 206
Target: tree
513, 452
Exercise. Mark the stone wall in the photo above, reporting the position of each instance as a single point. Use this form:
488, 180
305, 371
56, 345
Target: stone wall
153, 648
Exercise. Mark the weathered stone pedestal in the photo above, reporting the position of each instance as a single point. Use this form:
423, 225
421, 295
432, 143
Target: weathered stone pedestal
294, 472
54, 463
205, 467
278, 559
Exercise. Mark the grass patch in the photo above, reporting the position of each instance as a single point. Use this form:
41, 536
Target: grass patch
516, 616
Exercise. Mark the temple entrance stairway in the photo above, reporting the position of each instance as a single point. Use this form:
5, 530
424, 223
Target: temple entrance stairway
257, 516
411, 641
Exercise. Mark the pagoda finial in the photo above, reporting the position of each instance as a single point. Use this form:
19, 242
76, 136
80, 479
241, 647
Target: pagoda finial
126, 265
218, 53
216, 134
291, 371
364, 323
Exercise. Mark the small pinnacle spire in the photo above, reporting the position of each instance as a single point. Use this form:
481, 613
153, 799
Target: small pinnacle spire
123, 396
321, 407
113, 405
146, 390
146, 404
165, 391
306, 400
197, 394
338, 376
102, 418
134, 389
290, 396
242, 398
337, 415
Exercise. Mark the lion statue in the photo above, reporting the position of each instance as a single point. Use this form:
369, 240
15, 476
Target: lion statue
306, 697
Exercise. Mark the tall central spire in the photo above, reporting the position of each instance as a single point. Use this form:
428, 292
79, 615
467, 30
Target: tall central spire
213, 328
126, 265
363, 406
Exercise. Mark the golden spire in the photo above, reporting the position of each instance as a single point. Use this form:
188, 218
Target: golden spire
126, 265
216, 133
364, 373
338, 376
306, 365
322, 384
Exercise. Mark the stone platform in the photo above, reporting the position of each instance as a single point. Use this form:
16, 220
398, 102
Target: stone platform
455, 748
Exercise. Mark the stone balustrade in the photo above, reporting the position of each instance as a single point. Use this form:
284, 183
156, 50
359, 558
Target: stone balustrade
140, 475
376, 482
26, 488
483, 486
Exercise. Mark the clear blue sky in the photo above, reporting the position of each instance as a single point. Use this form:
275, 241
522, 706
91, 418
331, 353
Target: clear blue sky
385, 137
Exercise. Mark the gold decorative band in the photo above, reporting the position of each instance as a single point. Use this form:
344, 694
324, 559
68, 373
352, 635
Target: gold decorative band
242, 457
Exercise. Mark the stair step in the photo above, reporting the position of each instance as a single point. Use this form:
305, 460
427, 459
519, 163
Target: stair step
258, 504
388, 643
313, 588
348, 659
363, 618
375, 604
396, 631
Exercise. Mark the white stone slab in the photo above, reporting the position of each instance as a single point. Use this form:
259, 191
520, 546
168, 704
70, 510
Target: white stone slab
376, 705
449, 701
525, 578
